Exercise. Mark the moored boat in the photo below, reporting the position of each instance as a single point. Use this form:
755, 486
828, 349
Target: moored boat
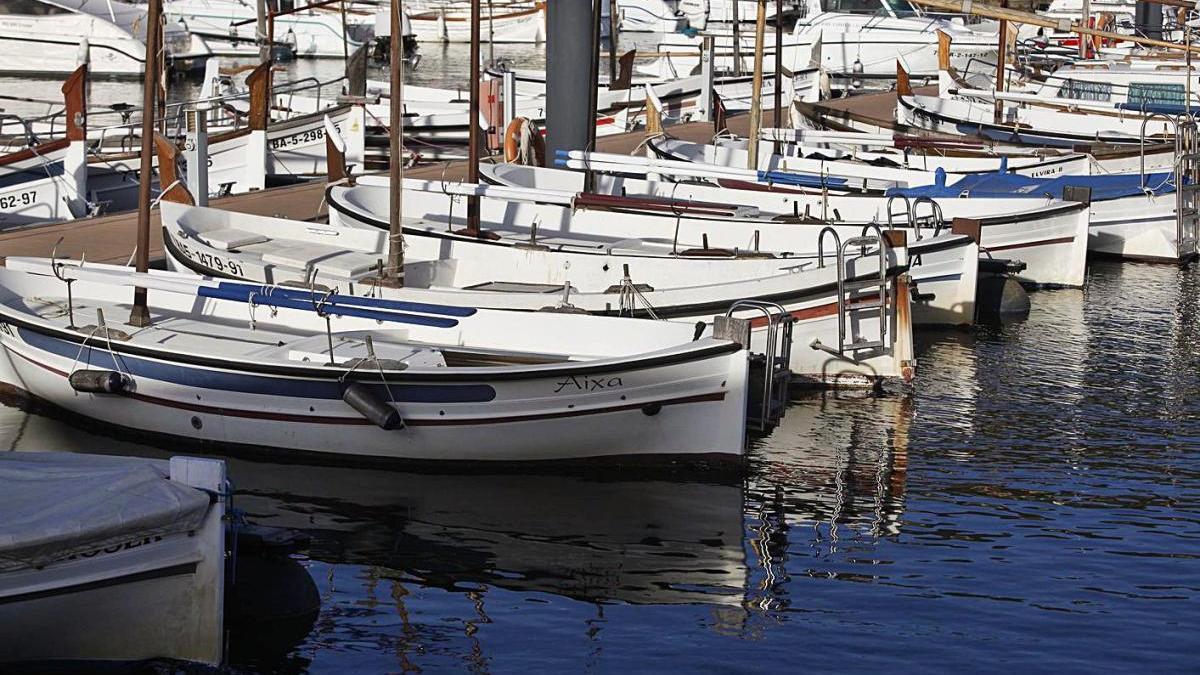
325, 375
108, 560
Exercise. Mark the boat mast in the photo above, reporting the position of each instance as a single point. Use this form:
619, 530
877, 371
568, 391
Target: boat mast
139, 314
778, 63
760, 28
395, 262
473, 124
345, 34
1001, 57
613, 20
264, 48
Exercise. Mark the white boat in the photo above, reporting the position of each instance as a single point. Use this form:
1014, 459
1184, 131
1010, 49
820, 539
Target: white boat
1050, 238
311, 32
315, 373
49, 37
645, 16
944, 266
1030, 119
858, 50
623, 277
109, 560
503, 23
58, 179
700, 13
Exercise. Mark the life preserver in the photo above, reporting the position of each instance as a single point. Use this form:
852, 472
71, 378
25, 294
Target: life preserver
523, 143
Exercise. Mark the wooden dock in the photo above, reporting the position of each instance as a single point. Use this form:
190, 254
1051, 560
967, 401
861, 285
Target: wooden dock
112, 238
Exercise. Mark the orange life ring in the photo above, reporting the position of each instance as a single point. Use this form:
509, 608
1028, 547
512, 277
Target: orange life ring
523, 130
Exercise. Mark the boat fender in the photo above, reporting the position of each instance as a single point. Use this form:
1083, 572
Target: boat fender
100, 382
372, 406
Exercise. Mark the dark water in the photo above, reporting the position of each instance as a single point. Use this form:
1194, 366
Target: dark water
1033, 506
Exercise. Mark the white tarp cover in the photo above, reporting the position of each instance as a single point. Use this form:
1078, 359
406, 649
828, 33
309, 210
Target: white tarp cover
53, 505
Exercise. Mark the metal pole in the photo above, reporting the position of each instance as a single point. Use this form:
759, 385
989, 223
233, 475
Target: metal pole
473, 121
760, 27
345, 34
613, 20
260, 27
1001, 57
737, 38
394, 275
1087, 15
706, 76
491, 34
139, 315
778, 64
594, 71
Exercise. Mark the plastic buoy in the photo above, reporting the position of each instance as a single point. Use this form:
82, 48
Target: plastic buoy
373, 407
100, 382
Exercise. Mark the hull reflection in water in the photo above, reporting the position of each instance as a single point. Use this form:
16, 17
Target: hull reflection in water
831, 477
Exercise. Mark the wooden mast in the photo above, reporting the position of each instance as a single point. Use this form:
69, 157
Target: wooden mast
760, 28
394, 275
139, 315
613, 20
473, 123
1001, 57
778, 64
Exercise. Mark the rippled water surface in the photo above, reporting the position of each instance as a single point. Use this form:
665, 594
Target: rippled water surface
1034, 505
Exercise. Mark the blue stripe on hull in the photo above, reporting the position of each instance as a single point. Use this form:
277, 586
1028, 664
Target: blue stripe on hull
220, 380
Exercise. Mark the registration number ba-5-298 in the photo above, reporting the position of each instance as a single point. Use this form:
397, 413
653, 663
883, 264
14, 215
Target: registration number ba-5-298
27, 198
298, 139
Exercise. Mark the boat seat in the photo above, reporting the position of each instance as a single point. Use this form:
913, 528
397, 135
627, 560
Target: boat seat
329, 260
228, 238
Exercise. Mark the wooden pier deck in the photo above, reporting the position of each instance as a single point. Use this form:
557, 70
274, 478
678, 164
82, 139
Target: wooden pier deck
112, 238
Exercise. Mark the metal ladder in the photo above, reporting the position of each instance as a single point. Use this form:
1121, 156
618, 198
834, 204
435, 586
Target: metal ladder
858, 295
765, 412
912, 215
1187, 183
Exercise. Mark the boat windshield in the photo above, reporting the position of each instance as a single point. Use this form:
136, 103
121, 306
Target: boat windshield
30, 8
898, 8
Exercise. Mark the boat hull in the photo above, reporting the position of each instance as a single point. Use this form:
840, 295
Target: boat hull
694, 407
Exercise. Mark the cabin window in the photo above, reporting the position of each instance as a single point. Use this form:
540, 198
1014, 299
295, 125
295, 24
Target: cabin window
1157, 94
1085, 91
30, 8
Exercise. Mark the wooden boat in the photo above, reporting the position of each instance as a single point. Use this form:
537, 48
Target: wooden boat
321, 374
1137, 216
1051, 239
56, 180
608, 276
108, 560
943, 265
1027, 118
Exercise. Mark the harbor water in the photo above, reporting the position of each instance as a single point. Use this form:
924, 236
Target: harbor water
1032, 505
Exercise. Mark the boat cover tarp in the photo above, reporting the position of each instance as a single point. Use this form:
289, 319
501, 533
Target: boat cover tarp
55, 505
1003, 184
